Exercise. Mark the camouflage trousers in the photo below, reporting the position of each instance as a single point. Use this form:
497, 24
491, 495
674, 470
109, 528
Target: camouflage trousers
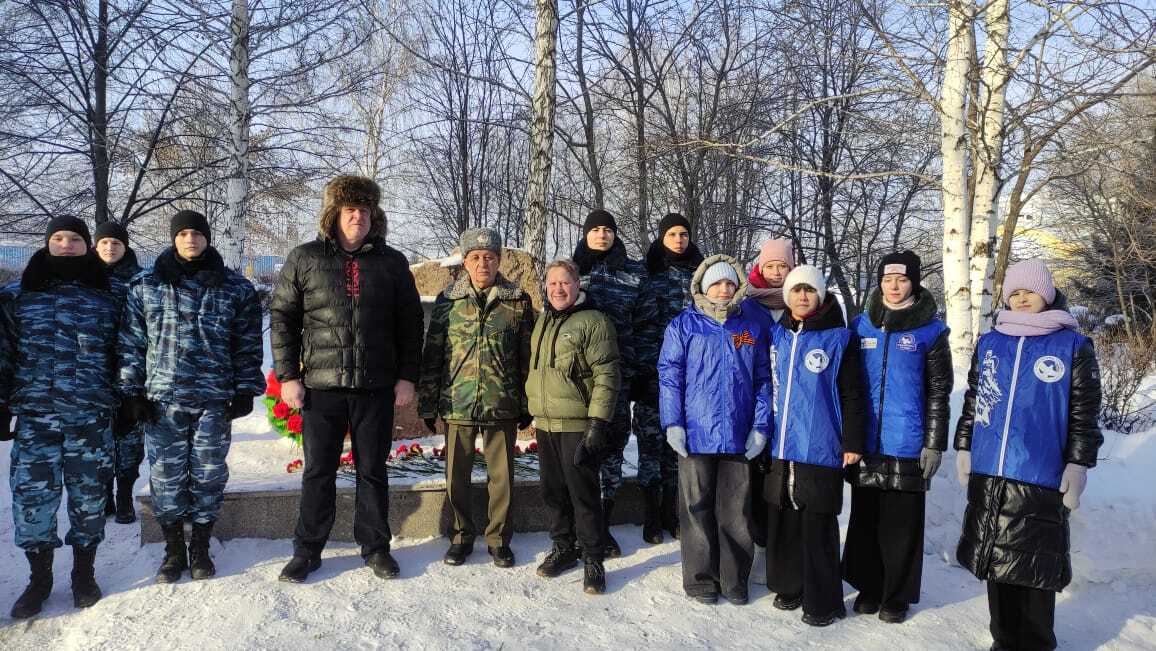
51, 452
186, 449
128, 450
657, 462
611, 470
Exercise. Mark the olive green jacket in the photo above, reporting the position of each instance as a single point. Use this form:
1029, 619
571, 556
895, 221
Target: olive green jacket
574, 368
477, 354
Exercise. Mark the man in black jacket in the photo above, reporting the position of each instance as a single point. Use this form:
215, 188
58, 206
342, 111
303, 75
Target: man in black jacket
346, 324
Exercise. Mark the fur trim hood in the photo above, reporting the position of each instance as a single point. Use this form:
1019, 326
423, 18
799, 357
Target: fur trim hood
356, 190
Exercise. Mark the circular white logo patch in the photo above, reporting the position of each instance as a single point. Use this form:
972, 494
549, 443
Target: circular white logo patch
1049, 369
816, 360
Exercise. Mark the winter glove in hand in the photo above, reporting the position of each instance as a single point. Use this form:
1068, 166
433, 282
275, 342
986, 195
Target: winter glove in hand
138, 409
756, 441
5, 426
963, 466
676, 439
431, 424
525, 421
1072, 484
594, 445
240, 406
929, 461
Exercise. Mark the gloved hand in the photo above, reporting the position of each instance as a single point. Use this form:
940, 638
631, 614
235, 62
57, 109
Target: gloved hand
138, 409
240, 406
524, 421
676, 439
595, 443
929, 461
962, 466
1072, 484
756, 441
431, 424
6, 426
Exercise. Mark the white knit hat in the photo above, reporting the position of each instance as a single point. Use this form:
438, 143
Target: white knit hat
721, 270
808, 275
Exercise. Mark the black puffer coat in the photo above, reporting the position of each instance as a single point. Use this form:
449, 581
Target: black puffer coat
342, 320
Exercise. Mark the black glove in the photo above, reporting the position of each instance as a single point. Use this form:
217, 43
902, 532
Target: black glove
431, 424
138, 409
524, 421
240, 406
121, 425
6, 426
595, 443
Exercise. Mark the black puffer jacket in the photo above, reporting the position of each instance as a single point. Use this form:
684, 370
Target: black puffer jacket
898, 473
342, 320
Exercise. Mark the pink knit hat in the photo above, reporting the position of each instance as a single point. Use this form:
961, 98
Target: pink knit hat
1032, 275
777, 250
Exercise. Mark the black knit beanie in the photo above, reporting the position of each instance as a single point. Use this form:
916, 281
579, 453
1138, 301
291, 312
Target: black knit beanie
68, 223
190, 219
598, 218
906, 263
113, 230
670, 221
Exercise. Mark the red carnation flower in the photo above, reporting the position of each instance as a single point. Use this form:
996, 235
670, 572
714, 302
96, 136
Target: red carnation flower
281, 410
347, 458
402, 450
272, 386
533, 447
294, 423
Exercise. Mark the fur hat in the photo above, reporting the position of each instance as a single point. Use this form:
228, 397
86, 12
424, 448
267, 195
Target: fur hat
475, 239
348, 190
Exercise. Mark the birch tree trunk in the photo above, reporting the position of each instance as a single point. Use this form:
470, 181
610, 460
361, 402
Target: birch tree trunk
544, 104
233, 227
984, 212
954, 151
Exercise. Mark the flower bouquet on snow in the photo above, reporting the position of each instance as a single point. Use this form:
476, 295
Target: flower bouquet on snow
283, 418
414, 460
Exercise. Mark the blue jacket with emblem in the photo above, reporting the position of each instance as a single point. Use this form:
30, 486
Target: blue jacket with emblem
192, 334
714, 378
905, 361
60, 340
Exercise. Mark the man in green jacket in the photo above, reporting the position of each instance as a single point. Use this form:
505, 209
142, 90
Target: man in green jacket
573, 387
477, 352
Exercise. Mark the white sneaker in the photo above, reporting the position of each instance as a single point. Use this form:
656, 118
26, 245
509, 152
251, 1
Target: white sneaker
759, 566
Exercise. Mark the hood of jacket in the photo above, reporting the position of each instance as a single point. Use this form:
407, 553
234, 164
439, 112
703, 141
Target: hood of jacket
717, 311
918, 315
659, 258
38, 276
168, 268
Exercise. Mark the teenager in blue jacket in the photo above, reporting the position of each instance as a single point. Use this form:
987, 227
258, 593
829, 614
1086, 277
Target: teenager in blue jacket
1028, 433
715, 406
905, 362
818, 431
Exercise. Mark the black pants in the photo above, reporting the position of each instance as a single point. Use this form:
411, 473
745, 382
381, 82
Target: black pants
715, 524
571, 494
803, 558
759, 506
1022, 619
883, 557
368, 416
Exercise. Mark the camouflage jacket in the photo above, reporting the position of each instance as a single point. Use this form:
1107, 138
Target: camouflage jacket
476, 354
668, 285
60, 341
120, 274
191, 339
613, 282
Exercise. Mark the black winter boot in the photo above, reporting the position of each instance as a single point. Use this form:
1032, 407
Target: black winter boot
612, 548
594, 577
652, 520
125, 513
85, 591
561, 558
176, 556
670, 510
39, 584
200, 563
109, 502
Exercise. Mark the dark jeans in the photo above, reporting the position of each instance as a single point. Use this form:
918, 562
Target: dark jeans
1022, 619
570, 493
715, 524
368, 416
759, 506
803, 558
883, 557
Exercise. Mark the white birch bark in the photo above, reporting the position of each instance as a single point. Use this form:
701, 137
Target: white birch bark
985, 211
543, 104
954, 151
232, 232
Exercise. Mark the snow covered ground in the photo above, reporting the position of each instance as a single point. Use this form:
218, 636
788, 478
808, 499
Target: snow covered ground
1111, 603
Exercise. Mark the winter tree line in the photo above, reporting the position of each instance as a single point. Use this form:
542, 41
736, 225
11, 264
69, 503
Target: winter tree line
853, 128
